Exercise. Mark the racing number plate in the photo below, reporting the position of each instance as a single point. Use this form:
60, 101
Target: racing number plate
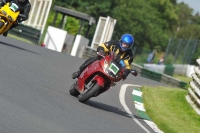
113, 68
14, 7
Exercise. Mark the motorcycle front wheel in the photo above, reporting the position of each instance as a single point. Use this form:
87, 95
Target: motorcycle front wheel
73, 90
83, 97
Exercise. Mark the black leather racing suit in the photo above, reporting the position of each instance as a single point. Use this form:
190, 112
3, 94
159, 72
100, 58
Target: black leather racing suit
112, 45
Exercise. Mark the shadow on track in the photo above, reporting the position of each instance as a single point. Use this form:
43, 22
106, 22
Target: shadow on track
109, 108
7, 44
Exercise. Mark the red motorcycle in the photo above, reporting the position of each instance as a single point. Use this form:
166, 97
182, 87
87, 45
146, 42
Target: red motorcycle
98, 77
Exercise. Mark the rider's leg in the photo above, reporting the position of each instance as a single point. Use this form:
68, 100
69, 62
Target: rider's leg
84, 65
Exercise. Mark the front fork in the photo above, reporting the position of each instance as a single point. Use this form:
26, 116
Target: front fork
99, 80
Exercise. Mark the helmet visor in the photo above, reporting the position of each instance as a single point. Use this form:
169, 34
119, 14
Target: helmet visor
125, 46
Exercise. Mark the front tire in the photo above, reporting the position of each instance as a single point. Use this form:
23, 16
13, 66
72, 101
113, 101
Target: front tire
1, 24
87, 95
73, 91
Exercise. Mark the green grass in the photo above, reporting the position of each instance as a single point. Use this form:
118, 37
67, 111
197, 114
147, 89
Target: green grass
20, 38
183, 78
170, 111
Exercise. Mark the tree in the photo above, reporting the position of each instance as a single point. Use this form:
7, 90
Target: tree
188, 26
151, 22
144, 21
184, 14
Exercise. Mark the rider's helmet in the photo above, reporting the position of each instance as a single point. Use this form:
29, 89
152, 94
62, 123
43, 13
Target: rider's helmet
21, 1
126, 42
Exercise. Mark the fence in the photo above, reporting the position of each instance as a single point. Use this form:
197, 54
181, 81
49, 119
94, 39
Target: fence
178, 51
88, 52
181, 51
194, 90
27, 32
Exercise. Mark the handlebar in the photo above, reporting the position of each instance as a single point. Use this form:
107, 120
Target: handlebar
22, 15
100, 54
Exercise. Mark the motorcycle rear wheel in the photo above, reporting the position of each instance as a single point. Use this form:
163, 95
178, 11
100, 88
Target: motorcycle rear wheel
87, 95
73, 90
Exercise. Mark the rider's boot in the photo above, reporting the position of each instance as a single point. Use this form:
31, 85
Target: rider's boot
5, 34
76, 74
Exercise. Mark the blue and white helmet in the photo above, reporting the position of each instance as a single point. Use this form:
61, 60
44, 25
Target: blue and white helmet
128, 40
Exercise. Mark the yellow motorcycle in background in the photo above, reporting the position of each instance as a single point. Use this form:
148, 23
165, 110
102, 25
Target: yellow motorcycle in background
8, 16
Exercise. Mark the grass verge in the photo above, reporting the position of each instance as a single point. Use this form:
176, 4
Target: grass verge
183, 78
20, 38
170, 111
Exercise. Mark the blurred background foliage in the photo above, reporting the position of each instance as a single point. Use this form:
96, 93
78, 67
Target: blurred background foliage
151, 22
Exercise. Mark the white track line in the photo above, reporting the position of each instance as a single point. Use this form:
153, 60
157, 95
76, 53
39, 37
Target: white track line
122, 101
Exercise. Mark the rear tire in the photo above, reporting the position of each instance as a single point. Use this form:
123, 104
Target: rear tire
86, 96
73, 90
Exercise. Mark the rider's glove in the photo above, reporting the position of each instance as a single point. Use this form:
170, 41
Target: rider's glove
125, 73
101, 52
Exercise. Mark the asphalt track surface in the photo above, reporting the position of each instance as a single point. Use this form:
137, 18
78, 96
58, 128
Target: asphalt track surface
34, 95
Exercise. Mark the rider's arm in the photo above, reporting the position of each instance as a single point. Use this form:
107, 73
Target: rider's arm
107, 45
25, 12
127, 62
128, 66
102, 47
128, 59
3, 2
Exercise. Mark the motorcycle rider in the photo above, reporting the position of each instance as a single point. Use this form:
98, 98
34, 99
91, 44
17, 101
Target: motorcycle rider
24, 8
122, 49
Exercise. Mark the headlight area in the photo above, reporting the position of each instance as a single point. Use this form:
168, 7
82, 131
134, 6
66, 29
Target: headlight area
10, 18
106, 70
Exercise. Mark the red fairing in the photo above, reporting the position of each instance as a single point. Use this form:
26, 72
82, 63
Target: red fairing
96, 72
94, 67
98, 77
99, 80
